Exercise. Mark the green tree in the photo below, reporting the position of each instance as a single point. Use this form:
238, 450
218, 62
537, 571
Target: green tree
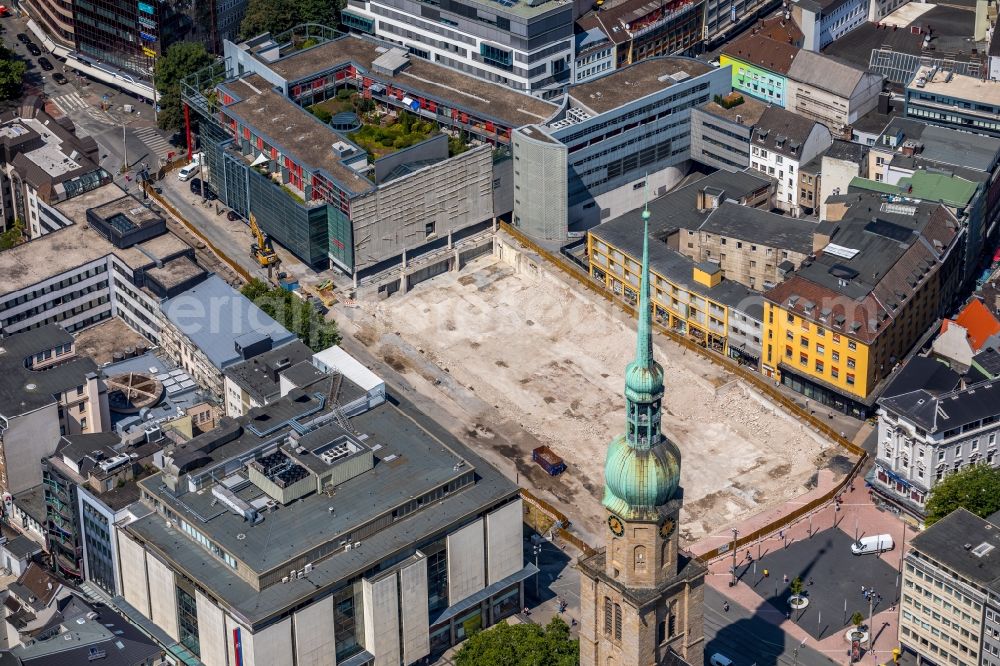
797, 586
975, 488
295, 314
13, 236
513, 645
12, 71
857, 619
180, 60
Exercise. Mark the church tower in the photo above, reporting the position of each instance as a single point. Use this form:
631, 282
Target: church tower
641, 597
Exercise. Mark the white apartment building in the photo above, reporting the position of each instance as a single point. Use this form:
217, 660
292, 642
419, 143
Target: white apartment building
783, 141
932, 431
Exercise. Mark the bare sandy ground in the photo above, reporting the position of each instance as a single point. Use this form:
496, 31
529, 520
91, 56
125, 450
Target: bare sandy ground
546, 357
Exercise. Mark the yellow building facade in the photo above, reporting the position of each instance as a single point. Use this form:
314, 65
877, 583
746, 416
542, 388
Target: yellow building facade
676, 305
815, 350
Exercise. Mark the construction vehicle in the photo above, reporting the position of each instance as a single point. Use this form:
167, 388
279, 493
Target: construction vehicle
261, 249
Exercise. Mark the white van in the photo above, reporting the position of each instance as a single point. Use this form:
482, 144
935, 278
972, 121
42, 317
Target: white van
718, 659
188, 170
873, 544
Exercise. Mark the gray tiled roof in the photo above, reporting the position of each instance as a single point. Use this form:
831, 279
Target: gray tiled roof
22, 389
825, 73
950, 410
760, 226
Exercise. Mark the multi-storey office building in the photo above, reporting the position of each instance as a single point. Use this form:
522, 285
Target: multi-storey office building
130, 35
825, 21
395, 540
522, 44
838, 325
87, 478
87, 272
691, 297
728, 17
950, 606
959, 169
595, 54
313, 190
616, 137
927, 433
721, 132
938, 95
639, 30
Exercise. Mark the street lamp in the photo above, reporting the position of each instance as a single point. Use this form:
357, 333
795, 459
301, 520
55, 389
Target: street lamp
537, 549
871, 609
735, 534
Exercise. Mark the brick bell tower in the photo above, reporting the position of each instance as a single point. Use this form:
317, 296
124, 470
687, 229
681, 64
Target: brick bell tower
641, 597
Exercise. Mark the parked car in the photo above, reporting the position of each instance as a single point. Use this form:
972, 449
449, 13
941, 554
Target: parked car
719, 659
45, 64
196, 186
33, 49
23, 38
188, 170
548, 460
59, 78
208, 193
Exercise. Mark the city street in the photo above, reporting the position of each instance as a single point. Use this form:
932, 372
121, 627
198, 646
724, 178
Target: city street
96, 109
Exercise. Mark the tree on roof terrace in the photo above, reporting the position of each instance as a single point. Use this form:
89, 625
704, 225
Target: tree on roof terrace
975, 488
403, 132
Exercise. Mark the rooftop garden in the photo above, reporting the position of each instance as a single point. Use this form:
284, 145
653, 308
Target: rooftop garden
382, 133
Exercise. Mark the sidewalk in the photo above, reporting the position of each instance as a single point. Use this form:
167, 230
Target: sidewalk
857, 515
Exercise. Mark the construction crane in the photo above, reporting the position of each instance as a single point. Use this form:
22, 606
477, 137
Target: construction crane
261, 249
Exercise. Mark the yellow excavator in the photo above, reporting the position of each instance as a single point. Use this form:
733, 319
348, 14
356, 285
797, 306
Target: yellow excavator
261, 249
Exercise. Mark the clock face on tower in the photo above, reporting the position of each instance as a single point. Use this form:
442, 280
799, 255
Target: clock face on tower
666, 528
616, 525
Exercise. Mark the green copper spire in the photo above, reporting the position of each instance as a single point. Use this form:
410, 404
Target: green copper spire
642, 469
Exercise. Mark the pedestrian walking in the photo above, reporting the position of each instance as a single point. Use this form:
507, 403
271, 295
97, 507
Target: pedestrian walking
781, 534
810, 580
863, 589
766, 573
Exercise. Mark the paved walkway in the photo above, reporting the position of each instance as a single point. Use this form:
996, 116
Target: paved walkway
857, 516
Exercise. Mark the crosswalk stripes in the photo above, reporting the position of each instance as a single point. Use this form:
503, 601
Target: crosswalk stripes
152, 138
70, 102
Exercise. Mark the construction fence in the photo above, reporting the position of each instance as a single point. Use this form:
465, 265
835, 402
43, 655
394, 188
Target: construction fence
755, 380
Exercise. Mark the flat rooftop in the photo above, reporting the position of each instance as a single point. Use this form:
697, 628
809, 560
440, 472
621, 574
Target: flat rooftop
413, 456
941, 82
749, 112
175, 272
299, 133
130, 208
945, 542
634, 82
50, 156
507, 106
77, 244
951, 34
